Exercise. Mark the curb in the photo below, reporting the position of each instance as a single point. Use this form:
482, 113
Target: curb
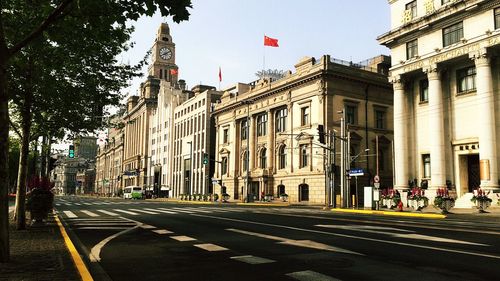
77, 260
387, 213
264, 204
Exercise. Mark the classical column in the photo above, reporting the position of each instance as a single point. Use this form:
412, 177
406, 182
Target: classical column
400, 135
436, 128
486, 121
271, 152
253, 144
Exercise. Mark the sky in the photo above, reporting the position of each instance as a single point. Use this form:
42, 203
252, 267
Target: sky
229, 34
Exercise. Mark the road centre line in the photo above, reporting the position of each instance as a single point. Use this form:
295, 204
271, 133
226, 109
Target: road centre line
351, 236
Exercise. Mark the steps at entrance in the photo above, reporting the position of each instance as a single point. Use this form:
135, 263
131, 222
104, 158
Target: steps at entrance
464, 201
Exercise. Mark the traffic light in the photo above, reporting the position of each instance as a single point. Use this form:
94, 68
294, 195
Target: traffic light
321, 133
205, 158
71, 153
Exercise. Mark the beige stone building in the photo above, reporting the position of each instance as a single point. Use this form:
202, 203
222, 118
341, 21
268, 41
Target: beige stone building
267, 131
445, 74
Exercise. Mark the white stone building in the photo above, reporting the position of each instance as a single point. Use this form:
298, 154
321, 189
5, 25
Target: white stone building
445, 74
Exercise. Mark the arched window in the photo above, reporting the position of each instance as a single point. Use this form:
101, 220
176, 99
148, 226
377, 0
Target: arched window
263, 158
282, 157
224, 165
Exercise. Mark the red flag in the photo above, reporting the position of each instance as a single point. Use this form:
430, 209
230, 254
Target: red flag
271, 42
220, 75
174, 72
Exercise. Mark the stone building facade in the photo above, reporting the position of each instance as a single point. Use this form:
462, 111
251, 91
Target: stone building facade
445, 74
267, 131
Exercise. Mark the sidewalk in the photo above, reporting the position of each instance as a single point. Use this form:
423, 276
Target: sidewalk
38, 254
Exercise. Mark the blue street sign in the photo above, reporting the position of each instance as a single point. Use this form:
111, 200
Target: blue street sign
356, 172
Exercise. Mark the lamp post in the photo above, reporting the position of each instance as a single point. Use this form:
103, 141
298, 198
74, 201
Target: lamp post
247, 129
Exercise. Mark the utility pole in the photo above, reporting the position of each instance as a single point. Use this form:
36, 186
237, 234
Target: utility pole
342, 161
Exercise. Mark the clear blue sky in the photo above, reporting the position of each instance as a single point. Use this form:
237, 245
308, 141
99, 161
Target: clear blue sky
229, 34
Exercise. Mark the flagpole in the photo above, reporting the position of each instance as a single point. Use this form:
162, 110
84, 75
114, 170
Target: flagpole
264, 56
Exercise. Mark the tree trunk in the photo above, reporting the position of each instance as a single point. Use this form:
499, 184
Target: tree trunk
47, 156
43, 157
4, 155
25, 145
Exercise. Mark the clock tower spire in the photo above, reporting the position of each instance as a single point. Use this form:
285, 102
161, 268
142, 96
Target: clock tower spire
163, 56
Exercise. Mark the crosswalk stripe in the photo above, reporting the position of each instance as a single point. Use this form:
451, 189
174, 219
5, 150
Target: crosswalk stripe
147, 226
144, 211
68, 204
58, 204
126, 212
211, 247
108, 213
78, 204
182, 238
88, 204
180, 210
198, 210
89, 213
70, 214
161, 211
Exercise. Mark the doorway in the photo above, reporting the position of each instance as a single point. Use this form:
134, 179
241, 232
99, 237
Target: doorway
474, 180
303, 192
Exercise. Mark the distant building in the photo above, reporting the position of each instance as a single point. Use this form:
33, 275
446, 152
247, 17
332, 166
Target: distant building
85, 147
445, 74
267, 137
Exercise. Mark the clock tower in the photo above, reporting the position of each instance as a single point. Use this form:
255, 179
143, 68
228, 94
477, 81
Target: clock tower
163, 56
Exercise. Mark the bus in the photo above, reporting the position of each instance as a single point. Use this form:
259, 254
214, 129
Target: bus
132, 192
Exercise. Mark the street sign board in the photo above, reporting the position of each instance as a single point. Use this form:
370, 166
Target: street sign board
215, 181
356, 172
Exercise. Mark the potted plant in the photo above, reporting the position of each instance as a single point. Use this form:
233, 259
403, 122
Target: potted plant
268, 197
216, 197
225, 197
481, 199
443, 200
417, 199
284, 197
40, 199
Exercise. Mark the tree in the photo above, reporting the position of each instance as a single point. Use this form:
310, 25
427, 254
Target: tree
50, 18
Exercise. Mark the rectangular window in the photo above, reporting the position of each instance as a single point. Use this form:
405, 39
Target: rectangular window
304, 155
224, 166
497, 18
424, 90
244, 129
412, 7
350, 114
411, 49
380, 119
280, 121
466, 79
452, 34
225, 136
304, 113
426, 160
262, 125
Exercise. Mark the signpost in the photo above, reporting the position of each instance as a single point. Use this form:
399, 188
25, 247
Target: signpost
356, 173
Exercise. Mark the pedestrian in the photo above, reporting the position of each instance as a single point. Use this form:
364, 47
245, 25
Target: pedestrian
262, 195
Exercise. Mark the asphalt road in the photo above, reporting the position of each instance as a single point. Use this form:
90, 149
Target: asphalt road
145, 240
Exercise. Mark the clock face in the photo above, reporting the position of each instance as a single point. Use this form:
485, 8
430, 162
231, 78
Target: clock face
165, 53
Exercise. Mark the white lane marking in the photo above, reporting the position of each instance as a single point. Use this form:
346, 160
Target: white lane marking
108, 213
103, 227
78, 204
161, 211
211, 247
182, 238
143, 211
181, 210
352, 236
106, 203
89, 213
161, 231
147, 226
252, 259
70, 214
57, 204
198, 210
298, 243
366, 228
68, 204
95, 253
88, 204
126, 212
309, 275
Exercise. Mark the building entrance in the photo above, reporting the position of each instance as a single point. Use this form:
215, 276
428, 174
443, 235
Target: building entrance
473, 172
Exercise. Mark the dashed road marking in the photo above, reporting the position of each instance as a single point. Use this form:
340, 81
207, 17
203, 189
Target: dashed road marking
161, 231
161, 211
182, 238
108, 213
252, 259
211, 247
147, 226
309, 275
